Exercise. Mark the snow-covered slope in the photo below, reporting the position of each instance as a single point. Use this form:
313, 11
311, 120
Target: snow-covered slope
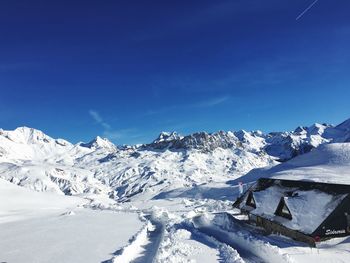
179, 186
327, 163
18, 203
32, 159
151, 172
46, 227
29, 144
99, 143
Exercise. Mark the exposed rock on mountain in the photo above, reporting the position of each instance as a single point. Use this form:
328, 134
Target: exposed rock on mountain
32, 159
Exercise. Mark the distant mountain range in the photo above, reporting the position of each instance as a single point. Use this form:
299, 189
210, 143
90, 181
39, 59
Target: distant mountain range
30, 158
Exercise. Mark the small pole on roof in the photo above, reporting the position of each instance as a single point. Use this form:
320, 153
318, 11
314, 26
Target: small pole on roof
241, 188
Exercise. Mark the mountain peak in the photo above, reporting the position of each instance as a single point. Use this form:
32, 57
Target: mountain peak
300, 129
99, 143
26, 135
167, 137
345, 125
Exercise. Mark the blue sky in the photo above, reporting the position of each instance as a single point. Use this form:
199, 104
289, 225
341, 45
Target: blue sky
127, 70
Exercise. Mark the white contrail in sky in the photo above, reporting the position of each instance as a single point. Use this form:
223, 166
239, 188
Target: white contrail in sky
307, 9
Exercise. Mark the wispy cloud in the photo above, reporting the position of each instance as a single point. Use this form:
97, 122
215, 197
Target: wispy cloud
211, 102
108, 131
199, 104
116, 134
97, 117
113, 135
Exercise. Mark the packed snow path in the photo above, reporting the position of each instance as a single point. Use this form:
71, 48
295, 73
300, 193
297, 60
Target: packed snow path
150, 250
224, 252
248, 245
225, 238
143, 247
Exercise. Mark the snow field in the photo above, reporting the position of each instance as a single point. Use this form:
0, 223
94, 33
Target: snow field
46, 227
166, 206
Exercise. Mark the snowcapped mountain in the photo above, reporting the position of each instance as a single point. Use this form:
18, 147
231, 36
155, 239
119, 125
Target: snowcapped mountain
99, 143
32, 159
344, 131
29, 144
282, 145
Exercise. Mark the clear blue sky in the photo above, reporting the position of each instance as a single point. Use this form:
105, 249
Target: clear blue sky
130, 69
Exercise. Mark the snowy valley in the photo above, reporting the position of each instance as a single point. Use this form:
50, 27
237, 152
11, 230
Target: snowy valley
164, 201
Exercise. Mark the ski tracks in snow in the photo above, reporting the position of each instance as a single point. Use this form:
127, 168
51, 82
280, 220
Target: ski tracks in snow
226, 253
142, 247
166, 239
248, 245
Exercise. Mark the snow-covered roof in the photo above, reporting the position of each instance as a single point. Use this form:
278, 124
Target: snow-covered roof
309, 208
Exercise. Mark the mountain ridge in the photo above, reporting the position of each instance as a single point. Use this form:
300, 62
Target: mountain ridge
32, 159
